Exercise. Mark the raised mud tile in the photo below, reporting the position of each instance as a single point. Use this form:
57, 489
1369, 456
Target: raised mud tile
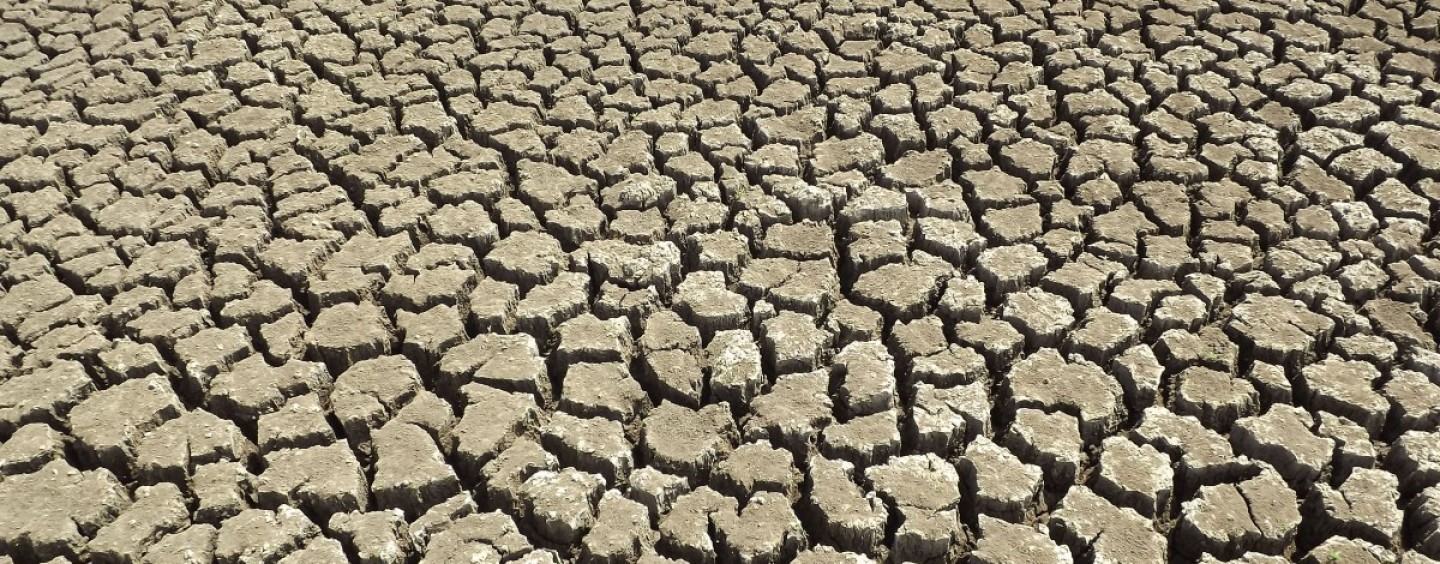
464, 223
324, 479
30, 448
545, 307
1049, 440
344, 334
300, 423
108, 425
963, 300
686, 530
998, 483
526, 259
726, 252
508, 362
196, 542
562, 505
1365, 506
764, 530
1414, 401
927, 535
319, 550
485, 537
371, 254
806, 240
1271, 383
1398, 321
996, 339
264, 302
1228, 520
1282, 437
1012, 225
882, 290
687, 442
705, 302
492, 420
1279, 331
377, 537
808, 286
1085, 521
1205, 457
1047, 381
1374, 349
342, 285
622, 530
53, 511
410, 473
1422, 511
868, 373
1102, 336
793, 342
630, 305
1215, 398
284, 340
1415, 458
634, 266
492, 306
1002, 541
953, 239
924, 482
920, 338
430, 413
793, 413
253, 387
446, 285
261, 535
756, 467
864, 441
126, 307
367, 394
677, 376
221, 490
864, 152
1137, 297
441, 517
1345, 388
593, 445
952, 366
1010, 268
589, 339
603, 390
430, 333
1179, 349
656, 490
1341, 549
164, 328
822, 554
871, 244
946, 418
43, 396
1135, 476
158, 510
1083, 281
32, 296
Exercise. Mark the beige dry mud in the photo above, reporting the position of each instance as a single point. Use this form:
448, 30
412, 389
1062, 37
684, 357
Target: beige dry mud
732, 282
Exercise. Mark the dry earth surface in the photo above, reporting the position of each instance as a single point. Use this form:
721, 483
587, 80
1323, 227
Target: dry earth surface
729, 281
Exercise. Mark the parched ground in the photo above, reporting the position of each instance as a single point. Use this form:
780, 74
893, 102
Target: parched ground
719, 281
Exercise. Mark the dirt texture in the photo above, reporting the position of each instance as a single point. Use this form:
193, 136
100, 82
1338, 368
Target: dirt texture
722, 282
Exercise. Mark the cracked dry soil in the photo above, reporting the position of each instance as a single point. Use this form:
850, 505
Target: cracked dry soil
719, 281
